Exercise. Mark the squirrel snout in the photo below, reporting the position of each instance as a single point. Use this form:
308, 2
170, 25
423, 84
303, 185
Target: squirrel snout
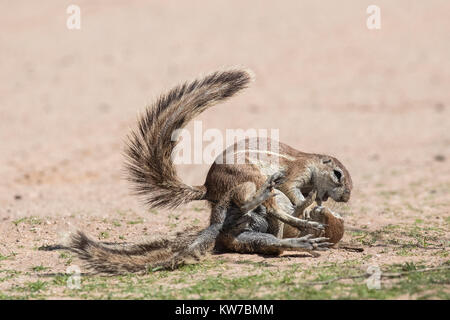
346, 195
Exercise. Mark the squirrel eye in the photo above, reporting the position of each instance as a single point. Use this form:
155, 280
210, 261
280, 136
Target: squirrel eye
338, 174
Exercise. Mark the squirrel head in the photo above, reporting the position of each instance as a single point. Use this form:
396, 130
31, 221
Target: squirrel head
332, 179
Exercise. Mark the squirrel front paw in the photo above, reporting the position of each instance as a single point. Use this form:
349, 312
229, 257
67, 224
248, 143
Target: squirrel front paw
308, 242
307, 224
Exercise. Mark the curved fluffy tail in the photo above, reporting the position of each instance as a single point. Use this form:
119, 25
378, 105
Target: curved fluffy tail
150, 147
147, 256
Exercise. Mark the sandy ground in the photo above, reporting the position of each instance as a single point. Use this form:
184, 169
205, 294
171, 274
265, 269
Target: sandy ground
378, 100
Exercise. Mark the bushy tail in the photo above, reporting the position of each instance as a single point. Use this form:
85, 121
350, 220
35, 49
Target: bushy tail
143, 257
150, 147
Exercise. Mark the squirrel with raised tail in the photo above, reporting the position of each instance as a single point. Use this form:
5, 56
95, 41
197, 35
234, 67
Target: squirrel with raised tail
257, 206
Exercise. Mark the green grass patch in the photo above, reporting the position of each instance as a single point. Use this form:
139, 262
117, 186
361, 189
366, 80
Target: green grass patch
261, 283
28, 220
137, 221
103, 235
116, 223
39, 268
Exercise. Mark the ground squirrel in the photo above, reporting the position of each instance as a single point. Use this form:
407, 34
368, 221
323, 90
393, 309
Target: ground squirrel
256, 206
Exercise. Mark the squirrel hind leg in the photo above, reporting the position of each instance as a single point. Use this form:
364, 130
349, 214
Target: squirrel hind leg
255, 242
